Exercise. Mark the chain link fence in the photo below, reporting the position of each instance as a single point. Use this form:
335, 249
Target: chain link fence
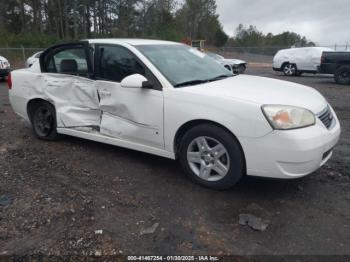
251, 54
18, 56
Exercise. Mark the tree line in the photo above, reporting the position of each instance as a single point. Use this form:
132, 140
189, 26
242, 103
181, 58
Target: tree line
250, 36
42, 22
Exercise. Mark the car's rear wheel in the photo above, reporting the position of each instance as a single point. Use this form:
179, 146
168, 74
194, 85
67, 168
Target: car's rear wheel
212, 157
43, 119
289, 69
342, 75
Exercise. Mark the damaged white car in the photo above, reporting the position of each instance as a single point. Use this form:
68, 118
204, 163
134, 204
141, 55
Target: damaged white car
296, 61
171, 100
235, 65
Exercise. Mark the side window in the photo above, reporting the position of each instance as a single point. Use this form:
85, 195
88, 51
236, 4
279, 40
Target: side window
71, 61
115, 63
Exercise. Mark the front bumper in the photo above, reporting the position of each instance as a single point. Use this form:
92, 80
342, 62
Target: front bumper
277, 69
292, 153
4, 72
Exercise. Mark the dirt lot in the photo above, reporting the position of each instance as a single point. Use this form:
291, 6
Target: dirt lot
80, 197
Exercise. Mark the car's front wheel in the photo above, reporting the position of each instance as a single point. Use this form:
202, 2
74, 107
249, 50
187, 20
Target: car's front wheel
342, 75
212, 157
43, 118
289, 69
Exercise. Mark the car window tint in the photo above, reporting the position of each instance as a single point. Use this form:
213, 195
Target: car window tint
69, 61
115, 63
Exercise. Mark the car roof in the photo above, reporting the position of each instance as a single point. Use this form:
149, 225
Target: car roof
306, 48
131, 41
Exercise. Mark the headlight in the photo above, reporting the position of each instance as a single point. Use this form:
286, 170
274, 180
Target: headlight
288, 117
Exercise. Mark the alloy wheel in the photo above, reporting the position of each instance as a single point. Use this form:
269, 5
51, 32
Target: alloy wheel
289, 69
43, 121
208, 158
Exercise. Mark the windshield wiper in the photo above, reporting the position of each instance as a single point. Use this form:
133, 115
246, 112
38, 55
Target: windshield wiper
192, 82
197, 82
219, 78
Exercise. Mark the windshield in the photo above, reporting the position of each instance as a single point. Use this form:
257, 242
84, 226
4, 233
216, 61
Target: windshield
183, 65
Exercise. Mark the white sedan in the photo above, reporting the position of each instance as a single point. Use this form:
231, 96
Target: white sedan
33, 59
173, 101
235, 65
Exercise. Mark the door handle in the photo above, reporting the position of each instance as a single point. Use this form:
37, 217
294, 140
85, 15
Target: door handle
105, 93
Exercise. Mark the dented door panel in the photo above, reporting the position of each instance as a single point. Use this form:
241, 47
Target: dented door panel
75, 99
134, 115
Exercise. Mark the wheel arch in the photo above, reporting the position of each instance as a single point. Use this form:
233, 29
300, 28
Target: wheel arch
343, 63
288, 62
283, 64
32, 103
190, 124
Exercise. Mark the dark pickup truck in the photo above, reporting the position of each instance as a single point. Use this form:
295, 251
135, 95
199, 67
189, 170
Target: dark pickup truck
337, 63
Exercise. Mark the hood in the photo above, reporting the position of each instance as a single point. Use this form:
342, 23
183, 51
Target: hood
262, 91
233, 61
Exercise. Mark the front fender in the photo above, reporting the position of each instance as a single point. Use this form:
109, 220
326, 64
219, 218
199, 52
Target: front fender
242, 118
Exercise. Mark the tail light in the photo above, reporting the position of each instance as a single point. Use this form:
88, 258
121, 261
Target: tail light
322, 59
9, 81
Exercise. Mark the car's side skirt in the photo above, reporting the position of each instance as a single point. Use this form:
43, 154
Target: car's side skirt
116, 142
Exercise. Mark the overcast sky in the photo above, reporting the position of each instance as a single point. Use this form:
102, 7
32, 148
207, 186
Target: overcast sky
322, 21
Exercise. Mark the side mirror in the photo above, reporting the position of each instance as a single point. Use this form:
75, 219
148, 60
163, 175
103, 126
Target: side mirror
136, 81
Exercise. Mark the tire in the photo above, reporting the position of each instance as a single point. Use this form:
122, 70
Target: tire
342, 75
44, 124
289, 69
241, 69
212, 157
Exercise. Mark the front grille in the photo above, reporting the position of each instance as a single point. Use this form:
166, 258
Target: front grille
326, 117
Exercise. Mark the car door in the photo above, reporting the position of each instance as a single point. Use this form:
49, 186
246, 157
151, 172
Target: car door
68, 85
131, 114
305, 59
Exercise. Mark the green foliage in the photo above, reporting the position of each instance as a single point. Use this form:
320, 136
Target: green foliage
27, 40
197, 20
220, 38
252, 37
40, 23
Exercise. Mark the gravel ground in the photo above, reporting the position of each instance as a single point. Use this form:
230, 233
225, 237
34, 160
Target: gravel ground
76, 197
